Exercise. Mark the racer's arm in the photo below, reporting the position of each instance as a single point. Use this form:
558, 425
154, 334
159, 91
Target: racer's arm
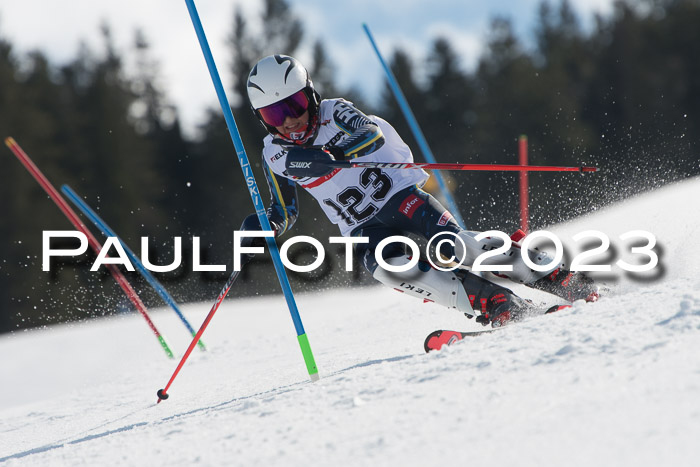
283, 208
365, 135
282, 212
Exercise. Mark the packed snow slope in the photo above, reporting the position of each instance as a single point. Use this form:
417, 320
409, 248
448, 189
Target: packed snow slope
614, 383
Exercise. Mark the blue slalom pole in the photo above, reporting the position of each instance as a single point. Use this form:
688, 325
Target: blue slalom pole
254, 193
100, 224
415, 128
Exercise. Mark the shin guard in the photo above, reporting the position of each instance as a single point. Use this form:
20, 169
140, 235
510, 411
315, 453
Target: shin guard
442, 287
521, 272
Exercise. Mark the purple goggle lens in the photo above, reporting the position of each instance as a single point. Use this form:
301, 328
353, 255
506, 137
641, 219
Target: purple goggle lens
294, 106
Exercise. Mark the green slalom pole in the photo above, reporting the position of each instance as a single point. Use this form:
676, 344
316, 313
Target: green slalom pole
254, 193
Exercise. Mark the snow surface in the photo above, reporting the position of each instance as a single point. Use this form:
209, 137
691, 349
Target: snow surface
615, 383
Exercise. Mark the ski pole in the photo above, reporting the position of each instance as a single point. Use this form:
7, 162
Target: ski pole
415, 128
453, 166
75, 220
102, 225
163, 393
254, 192
523, 185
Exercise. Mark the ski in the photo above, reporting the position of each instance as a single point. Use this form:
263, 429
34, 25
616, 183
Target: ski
437, 339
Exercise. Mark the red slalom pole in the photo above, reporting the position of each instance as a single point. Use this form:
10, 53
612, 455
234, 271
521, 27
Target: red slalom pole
93, 242
524, 186
452, 166
163, 393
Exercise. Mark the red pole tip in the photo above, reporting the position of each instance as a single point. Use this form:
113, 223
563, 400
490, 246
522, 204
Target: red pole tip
589, 169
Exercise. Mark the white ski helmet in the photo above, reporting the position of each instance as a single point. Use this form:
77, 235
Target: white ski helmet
279, 86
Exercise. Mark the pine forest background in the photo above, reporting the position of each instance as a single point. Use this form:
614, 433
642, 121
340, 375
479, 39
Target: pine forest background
623, 95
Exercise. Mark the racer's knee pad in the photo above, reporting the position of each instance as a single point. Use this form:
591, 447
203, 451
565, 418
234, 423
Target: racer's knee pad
521, 272
422, 281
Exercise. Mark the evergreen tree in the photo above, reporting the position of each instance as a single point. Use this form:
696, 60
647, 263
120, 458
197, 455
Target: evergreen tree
321, 72
10, 186
450, 107
157, 121
402, 68
624, 96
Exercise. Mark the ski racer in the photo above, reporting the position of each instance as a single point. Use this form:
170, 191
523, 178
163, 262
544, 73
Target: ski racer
304, 131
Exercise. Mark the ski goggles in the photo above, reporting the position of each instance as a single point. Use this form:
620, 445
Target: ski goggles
293, 106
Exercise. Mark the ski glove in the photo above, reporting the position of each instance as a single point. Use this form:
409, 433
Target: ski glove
252, 223
337, 153
308, 162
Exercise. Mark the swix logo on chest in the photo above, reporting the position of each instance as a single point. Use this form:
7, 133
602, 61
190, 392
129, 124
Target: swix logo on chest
299, 165
409, 205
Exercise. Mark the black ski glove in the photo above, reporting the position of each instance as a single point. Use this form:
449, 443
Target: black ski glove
252, 223
308, 162
337, 153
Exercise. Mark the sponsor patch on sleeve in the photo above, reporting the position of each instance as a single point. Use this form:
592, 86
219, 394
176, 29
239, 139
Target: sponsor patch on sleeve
409, 205
445, 218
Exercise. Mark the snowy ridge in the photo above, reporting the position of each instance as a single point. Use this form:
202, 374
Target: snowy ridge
611, 383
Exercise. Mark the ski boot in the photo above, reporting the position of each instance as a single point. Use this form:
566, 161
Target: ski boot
568, 285
502, 307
